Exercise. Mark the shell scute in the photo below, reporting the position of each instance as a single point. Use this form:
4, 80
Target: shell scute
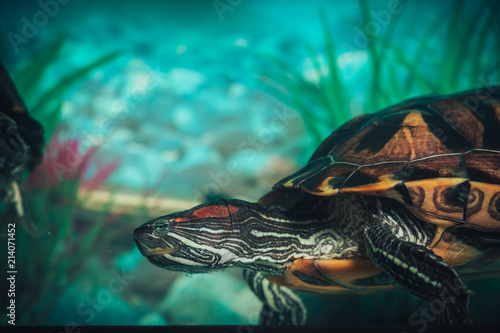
320, 178
445, 197
483, 166
438, 166
483, 205
475, 116
369, 174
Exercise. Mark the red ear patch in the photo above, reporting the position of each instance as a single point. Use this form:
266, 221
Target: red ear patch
233, 209
210, 211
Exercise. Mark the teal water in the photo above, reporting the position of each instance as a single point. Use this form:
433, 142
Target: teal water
183, 114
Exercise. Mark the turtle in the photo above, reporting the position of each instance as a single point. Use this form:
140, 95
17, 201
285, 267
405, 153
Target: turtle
21, 149
406, 197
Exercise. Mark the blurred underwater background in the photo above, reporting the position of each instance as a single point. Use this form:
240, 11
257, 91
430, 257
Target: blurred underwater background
152, 107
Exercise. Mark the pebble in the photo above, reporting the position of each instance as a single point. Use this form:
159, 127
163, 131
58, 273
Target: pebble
218, 298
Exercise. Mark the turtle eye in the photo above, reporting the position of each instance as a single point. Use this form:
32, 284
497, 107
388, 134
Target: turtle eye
161, 227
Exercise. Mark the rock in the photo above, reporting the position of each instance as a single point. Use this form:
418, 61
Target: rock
128, 261
184, 81
197, 156
119, 137
250, 161
217, 298
150, 132
228, 139
155, 319
188, 121
150, 284
98, 305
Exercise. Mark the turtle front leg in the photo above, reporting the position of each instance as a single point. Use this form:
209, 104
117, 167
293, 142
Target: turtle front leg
421, 272
281, 305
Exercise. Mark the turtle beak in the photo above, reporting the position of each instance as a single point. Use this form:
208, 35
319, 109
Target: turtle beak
148, 244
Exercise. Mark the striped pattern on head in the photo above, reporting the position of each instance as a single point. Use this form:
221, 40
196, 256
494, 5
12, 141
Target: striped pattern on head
235, 233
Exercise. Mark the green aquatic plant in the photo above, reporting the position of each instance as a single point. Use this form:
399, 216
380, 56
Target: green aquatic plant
470, 42
46, 107
324, 104
456, 52
53, 261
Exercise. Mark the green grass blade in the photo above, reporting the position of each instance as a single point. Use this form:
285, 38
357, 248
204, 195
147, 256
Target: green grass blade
394, 84
298, 88
423, 83
392, 26
424, 48
325, 105
337, 101
51, 120
297, 104
58, 90
374, 100
291, 79
479, 21
485, 31
451, 58
29, 78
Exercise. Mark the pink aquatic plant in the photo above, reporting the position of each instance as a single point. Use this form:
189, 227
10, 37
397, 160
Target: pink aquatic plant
65, 161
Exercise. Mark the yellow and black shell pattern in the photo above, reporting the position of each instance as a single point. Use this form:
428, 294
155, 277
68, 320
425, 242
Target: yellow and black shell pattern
438, 155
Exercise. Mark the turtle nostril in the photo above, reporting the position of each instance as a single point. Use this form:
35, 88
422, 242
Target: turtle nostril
143, 229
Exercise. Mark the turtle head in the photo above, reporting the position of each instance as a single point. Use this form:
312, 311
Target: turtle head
191, 241
229, 233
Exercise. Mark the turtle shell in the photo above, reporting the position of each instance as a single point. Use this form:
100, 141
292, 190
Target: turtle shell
438, 155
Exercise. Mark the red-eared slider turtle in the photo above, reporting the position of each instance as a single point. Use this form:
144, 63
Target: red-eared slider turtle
21, 143
408, 196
